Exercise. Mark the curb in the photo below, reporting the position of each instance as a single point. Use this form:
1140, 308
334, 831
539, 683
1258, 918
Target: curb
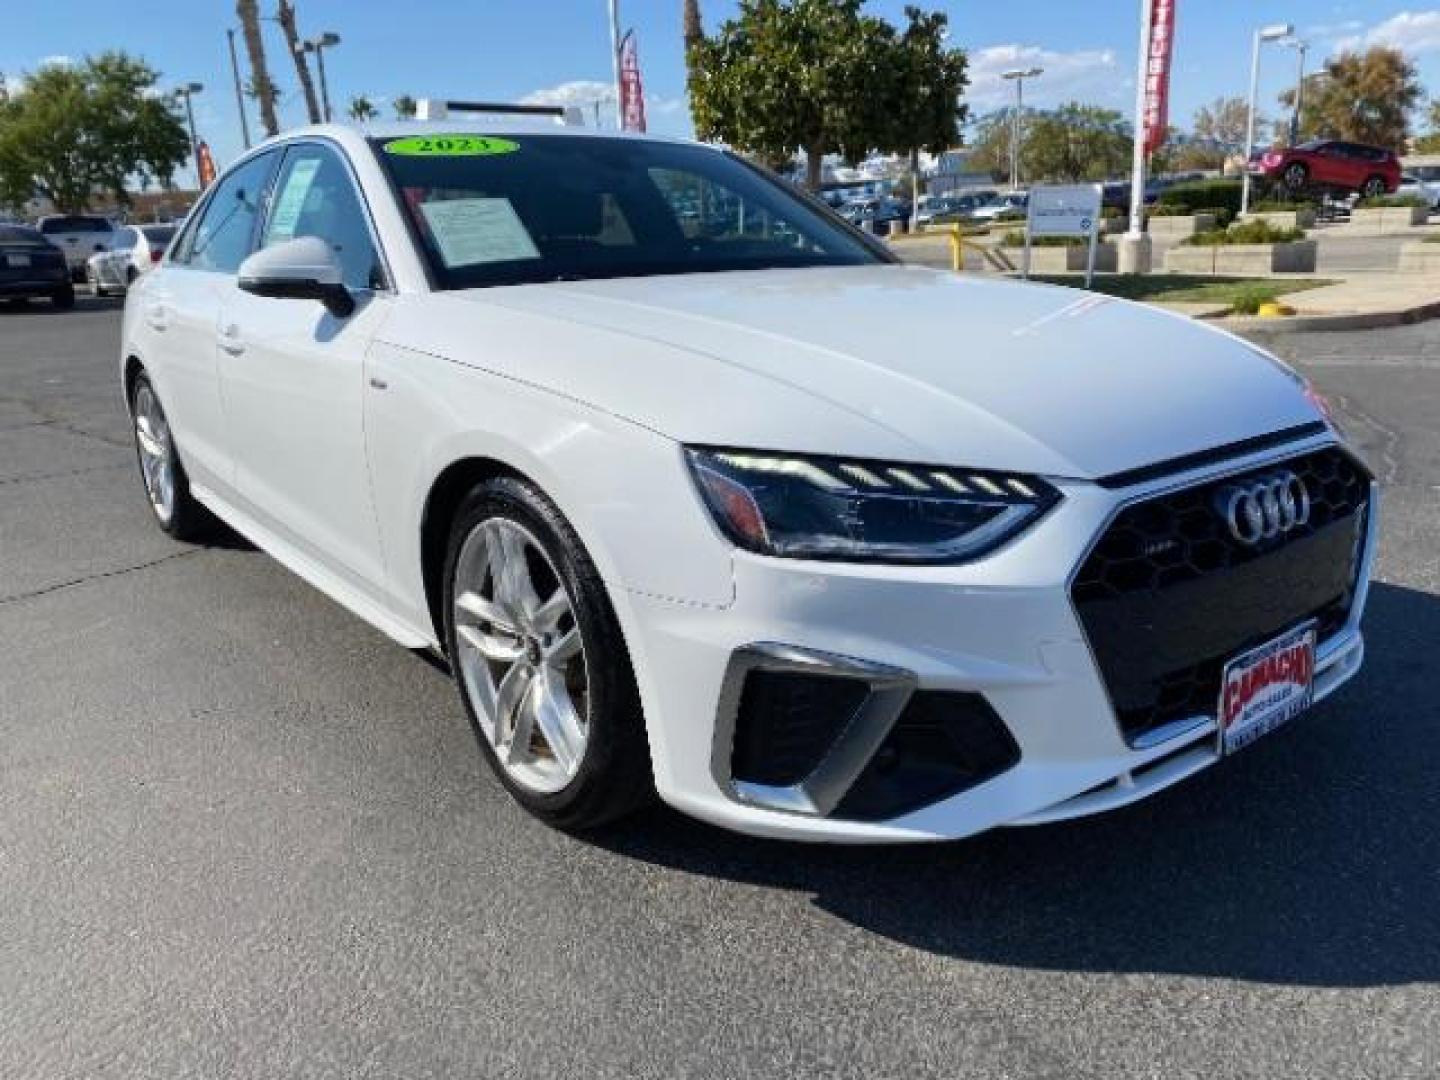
1365, 320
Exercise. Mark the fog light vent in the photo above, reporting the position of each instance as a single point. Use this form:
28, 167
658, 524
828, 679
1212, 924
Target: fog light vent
942, 744
788, 721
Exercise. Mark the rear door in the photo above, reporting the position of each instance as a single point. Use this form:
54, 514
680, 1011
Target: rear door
179, 309
293, 377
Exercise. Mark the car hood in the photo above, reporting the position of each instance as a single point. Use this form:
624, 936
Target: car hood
887, 361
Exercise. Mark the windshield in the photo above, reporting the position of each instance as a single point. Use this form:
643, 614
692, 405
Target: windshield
530, 208
74, 223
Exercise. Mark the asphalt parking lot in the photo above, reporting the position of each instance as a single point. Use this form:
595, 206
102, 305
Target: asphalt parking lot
241, 834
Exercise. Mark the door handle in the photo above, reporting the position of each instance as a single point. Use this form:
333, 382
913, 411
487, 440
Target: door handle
229, 335
155, 317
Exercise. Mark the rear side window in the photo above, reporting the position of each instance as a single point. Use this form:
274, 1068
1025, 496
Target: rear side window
74, 223
226, 230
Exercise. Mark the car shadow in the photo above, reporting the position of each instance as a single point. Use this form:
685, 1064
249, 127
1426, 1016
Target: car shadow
1313, 858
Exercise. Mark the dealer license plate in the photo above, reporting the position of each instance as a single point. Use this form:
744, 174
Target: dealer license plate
17, 260
1267, 687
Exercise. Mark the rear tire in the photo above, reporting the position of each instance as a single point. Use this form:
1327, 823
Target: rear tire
63, 299
1373, 188
540, 660
166, 485
1295, 177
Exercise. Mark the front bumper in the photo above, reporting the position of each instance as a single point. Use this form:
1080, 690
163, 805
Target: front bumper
1004, 628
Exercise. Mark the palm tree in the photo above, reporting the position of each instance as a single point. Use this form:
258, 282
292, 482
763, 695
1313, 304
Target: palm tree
261, 85
362, 109
285, 16
405, 107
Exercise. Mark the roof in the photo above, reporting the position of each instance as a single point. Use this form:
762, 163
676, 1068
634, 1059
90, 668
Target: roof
495, 125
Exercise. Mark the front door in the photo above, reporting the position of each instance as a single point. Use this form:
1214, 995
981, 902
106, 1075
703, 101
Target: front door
292, 379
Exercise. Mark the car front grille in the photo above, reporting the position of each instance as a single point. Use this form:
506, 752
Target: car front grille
1167, 594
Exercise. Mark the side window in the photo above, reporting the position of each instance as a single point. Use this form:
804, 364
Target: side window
223, 236
315, 196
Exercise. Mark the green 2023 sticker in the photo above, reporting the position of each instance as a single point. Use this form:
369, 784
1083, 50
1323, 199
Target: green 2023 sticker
450, 146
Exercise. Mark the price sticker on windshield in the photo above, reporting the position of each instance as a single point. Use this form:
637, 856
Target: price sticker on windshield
450, 146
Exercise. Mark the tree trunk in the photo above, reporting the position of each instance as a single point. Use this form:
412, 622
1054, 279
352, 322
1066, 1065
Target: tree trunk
248, 12
285, 16
814, 167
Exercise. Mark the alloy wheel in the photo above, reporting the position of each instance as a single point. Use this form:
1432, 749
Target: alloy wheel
521, 658
157, 465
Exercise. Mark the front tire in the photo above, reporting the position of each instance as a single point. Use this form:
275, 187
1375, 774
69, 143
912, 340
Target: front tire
63, 299
1373, 188
540, 660
166, 484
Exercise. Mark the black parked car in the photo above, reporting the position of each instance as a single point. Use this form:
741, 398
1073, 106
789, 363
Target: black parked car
32, 266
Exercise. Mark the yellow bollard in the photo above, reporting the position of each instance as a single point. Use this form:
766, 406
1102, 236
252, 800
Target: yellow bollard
957, 250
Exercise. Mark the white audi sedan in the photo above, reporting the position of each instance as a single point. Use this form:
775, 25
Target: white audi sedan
729, 505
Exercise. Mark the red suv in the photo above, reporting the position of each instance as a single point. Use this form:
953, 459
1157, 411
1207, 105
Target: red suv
1330, 165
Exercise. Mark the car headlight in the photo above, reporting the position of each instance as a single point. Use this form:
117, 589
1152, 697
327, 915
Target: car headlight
805, 507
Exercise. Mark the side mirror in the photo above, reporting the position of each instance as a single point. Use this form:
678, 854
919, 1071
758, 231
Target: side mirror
301, 269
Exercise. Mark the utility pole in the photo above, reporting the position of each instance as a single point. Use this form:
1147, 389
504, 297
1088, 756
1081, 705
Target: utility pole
186, 92
239, 92
1269, 33
318, 45
1018, 77
615, 62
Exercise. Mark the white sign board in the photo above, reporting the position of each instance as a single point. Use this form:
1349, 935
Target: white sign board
1072, 210
1064, 211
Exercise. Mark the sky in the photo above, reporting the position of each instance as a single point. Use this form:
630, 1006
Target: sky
545, 50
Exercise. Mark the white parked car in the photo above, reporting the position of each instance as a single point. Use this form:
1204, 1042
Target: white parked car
1009, 203
743, 517
1427, 189
79, 236
135, 250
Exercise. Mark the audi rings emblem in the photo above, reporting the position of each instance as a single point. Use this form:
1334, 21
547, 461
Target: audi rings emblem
1266, 508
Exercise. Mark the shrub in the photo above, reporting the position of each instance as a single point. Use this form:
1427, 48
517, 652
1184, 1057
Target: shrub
1250, 298
1218, 192
1016, 239
1110, 213
1221, 214
1169, 210
1281, 206
1248, 232
1386, 202
1011, 215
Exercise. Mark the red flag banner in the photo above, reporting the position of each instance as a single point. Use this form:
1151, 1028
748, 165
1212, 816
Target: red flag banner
1157, 73
632, 93
205, 164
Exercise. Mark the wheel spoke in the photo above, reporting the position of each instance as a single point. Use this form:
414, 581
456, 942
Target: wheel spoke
548, 615
492, 648
564, 649
509, 703
513, 587
488, 613
146, 436
555, 716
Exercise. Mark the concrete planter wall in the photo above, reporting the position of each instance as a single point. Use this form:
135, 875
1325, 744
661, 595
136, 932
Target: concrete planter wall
1244, 259
1389, 218
1419, 257
1178, 228
1285, 219
1066, 260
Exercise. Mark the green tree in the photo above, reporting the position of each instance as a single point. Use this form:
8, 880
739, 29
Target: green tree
405, 107
1429, 143
1361, 97
1076, 142
75, 131
990, 144
362, 109
822, 77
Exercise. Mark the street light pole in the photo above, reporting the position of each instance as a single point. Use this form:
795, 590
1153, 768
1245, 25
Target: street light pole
1268, 33
1018, 77
327, 40
186, 92
1301, 48
239, 93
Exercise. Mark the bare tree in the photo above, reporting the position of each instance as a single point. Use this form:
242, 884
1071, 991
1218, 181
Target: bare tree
285, 16
261, 85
